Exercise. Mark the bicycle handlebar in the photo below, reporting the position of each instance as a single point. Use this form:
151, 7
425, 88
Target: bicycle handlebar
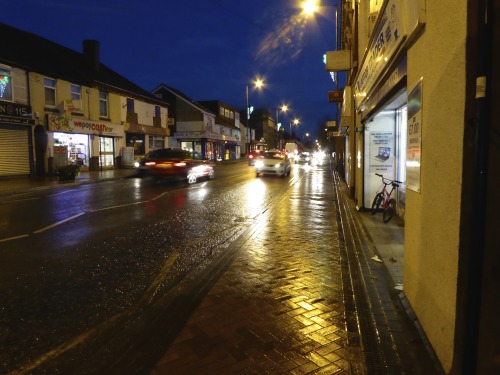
384, 178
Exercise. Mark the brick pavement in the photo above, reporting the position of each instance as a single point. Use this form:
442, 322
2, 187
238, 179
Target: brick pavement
279, 308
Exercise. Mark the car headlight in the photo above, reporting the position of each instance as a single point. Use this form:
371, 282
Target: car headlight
277, 165
136, 164
259, 164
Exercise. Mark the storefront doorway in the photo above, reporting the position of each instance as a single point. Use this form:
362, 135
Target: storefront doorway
107, 152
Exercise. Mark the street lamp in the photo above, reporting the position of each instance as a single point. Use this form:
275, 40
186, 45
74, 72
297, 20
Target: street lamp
295, 122
283, 108
310, 7
258, 83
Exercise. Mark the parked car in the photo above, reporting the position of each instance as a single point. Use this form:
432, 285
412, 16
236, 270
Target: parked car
252, 156
175, 163
303, 158
273, 162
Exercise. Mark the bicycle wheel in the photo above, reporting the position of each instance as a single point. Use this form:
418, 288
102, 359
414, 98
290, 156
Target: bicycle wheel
389, 210
377, 201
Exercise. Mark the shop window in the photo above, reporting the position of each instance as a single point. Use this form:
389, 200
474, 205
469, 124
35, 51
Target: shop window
49, 85
137, 142
401, 137
103, 104
5, 84
75, 146
156, 142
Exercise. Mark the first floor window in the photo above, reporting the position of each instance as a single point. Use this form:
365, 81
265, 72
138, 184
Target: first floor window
5, 84
50, 91
103, 104
76, 92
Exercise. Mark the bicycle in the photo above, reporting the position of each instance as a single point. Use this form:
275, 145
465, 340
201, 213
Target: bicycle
383, 198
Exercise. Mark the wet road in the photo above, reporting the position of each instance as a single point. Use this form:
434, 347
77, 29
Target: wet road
234, 275
77, 263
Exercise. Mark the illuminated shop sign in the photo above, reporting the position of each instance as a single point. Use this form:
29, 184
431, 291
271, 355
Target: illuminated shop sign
68, 125
388, 36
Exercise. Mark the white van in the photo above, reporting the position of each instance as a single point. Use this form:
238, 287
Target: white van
291, 149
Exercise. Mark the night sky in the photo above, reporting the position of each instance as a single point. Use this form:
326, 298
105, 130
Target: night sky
208, 49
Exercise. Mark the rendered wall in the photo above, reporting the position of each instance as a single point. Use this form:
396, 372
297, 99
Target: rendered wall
432, 216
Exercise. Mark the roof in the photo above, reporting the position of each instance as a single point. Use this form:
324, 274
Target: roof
182, 95
62, 63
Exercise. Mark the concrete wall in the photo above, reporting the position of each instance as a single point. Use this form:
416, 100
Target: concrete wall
432, 216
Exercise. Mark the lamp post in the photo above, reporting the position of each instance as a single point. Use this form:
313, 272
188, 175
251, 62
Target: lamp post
295, 122
310, 7
283, 108
258, 83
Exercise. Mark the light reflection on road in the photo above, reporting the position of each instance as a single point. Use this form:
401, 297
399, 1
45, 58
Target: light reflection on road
255, 202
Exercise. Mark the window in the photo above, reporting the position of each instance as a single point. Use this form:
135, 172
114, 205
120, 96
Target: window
157, 111
221, 111
103, 104
50, 92
5, 84
401, 134
130, 105
76, 92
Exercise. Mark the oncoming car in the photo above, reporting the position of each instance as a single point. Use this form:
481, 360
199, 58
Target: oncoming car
303, 158
175, 163
273, 162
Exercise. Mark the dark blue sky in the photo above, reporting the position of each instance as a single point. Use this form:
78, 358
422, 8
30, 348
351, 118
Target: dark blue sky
209, 49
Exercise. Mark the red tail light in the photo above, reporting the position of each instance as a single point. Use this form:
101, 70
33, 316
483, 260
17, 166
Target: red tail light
250, 156
180, 164
150, 163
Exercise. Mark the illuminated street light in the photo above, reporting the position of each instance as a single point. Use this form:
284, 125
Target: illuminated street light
283, 108
310, 7
258, 84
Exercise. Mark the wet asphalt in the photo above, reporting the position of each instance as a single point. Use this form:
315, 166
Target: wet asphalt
298, 293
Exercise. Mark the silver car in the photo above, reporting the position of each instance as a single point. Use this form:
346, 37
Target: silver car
273, 162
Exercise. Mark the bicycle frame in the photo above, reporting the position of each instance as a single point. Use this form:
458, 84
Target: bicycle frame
384, 198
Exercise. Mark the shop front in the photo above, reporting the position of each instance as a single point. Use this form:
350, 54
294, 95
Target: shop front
141, 139
92, 145
380, 98
16, 155
385, 131
209, 148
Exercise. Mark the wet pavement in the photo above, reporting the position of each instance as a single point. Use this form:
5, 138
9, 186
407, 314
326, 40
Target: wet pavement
323, 299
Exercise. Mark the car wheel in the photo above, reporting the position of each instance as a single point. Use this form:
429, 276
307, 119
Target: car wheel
192, 178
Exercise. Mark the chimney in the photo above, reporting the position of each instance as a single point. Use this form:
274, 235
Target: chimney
91, 53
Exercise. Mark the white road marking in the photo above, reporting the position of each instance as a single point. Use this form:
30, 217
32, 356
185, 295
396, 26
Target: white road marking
59, 223
14, 238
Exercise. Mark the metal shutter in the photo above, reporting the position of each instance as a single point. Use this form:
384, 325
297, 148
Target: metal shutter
14, 152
